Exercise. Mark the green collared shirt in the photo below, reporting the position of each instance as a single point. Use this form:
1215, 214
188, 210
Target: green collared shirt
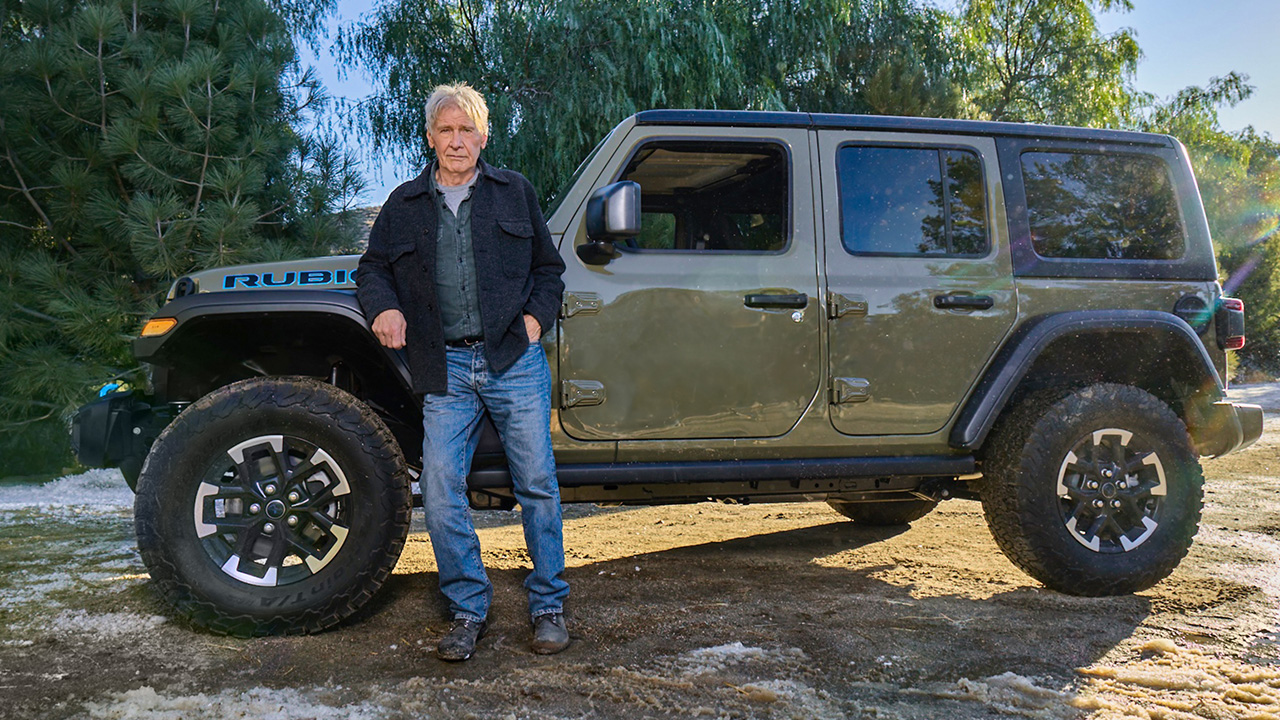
456, 290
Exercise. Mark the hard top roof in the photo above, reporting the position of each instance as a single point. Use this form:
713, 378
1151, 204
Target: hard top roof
759, 118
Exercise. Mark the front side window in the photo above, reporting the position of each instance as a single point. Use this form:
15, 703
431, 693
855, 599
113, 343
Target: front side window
726, 197
912, 201
1091, 206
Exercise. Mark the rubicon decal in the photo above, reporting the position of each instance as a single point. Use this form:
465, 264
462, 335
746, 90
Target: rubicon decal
288, 278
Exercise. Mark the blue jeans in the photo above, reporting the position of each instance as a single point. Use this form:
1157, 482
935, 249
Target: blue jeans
519, 401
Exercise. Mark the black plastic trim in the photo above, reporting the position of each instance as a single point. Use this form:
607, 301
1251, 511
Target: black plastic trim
117, 430
750, 118
1016, 356
727, 118
1225, 427
101, 431
577, 475
250, 303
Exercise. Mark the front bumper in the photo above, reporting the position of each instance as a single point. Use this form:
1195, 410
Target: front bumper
117, 430
1224, 427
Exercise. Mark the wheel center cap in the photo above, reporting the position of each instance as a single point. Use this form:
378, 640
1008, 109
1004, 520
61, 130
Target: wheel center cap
1108, 491
275, 509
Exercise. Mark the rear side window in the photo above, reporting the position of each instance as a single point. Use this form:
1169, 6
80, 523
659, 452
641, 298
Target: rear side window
912, 201
1092, 206
711, 196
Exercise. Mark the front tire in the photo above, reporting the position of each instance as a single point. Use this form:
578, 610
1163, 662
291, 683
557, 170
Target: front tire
271, 506
1095, 493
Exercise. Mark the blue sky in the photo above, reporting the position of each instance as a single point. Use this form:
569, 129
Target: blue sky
1184, 42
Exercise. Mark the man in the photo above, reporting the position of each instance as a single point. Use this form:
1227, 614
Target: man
461, 270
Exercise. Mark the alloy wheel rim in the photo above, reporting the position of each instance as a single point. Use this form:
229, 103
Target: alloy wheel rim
273, 510
1111, 490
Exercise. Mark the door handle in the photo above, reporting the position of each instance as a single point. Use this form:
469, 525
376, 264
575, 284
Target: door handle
963, 302
757, 300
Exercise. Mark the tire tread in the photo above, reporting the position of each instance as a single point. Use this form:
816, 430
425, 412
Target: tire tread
1018, 453
321, 399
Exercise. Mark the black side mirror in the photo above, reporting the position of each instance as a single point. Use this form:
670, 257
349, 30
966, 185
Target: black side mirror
596, 252
613, 213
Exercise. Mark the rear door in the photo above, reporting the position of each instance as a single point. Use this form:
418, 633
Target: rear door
707, 325
918, 273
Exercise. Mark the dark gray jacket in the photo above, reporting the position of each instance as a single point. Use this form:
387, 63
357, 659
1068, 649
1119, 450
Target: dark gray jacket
517, 266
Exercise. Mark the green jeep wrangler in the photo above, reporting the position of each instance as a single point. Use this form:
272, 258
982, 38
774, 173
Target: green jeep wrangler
880, 313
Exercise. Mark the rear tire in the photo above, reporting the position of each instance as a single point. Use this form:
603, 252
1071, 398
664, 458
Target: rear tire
271, 506
1095, 493
894, 512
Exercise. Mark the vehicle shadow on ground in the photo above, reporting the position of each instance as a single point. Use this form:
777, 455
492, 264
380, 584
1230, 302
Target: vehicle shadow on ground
787, 589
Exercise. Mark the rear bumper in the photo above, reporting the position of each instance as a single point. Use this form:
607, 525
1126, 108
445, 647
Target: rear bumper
1224, 427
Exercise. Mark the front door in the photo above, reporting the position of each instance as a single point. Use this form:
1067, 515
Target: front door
707, 324
918, 274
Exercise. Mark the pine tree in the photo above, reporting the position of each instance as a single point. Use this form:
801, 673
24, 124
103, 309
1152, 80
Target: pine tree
141, 140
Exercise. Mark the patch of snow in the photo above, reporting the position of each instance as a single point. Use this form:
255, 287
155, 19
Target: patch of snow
799, 699
257, 703
90, 494
1013, 694
103, 625
30, 589
732, 652
713, 659
105, 550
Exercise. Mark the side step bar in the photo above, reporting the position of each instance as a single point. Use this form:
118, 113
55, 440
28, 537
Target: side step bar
739, 470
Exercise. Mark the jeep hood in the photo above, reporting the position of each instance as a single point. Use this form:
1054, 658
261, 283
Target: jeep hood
336, 272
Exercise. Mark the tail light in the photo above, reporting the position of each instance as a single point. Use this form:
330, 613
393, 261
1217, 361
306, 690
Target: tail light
1229, 323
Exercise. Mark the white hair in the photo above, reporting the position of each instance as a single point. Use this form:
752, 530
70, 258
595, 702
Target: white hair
467, 100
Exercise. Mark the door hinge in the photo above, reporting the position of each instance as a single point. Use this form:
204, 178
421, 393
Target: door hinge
574, 303
850, 390
838, 306
574, 393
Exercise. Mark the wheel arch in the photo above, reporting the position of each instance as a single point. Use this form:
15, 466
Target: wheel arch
1156, 351
220, 338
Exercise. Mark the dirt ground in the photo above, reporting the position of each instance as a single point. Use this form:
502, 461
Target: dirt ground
763, 611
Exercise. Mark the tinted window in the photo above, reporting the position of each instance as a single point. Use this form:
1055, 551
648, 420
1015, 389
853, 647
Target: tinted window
1119, 207
911, 201
707, 196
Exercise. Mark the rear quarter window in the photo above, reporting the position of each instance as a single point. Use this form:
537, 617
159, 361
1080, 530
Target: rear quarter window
1102, 206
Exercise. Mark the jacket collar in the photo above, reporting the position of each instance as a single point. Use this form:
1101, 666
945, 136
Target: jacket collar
422, 184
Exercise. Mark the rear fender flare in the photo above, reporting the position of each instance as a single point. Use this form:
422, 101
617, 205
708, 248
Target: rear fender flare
1021, 350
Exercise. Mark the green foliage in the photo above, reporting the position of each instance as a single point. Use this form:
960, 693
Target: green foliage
141, 140
1045, 61
559, 74
1239, 178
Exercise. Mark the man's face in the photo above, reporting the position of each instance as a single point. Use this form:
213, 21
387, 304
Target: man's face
456, 140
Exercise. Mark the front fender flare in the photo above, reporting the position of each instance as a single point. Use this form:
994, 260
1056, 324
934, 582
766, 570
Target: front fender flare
342, 305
